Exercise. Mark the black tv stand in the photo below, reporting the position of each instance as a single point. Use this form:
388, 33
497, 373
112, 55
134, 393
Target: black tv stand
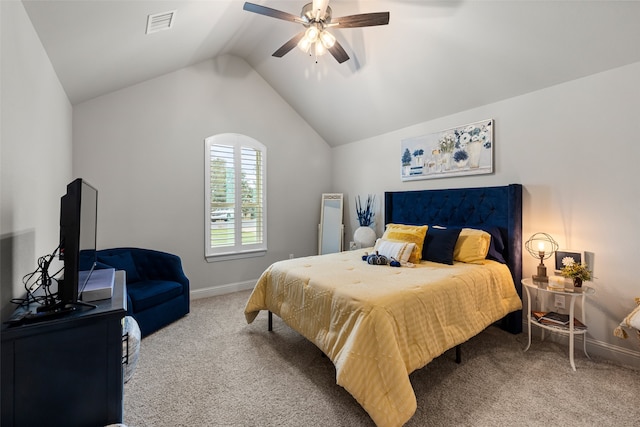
64, 306
65, 370
23, 317
83, 304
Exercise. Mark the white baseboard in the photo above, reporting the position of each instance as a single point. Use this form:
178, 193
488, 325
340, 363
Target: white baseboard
223, 289
616, 354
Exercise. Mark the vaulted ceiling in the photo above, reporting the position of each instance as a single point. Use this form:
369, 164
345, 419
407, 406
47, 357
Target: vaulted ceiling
434, 58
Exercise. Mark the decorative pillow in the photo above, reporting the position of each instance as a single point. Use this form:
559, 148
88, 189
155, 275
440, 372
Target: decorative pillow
472, 246
122, 261
497, 248
410, 234
400, 251
439, 244
631, 321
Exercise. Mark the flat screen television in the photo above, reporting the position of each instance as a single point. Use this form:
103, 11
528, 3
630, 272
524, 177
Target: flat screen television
78, 222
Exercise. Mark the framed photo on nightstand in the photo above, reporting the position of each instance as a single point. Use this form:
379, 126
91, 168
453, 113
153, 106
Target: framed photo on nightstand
561, 254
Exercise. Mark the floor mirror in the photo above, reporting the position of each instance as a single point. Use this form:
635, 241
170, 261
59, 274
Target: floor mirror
331, 228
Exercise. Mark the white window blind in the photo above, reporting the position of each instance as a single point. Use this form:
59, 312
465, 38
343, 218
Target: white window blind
235, 208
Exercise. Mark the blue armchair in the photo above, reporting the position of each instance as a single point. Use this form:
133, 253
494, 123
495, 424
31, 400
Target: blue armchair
157, 288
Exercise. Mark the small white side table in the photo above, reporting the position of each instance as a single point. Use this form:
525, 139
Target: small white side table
573, 294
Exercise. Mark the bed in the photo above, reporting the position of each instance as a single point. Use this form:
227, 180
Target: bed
379, 323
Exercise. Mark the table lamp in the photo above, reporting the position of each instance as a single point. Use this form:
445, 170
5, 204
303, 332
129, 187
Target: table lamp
542, 246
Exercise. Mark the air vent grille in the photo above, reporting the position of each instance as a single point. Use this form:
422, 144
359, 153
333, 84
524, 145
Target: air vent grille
160, 21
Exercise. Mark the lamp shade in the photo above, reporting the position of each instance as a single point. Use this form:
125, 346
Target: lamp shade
320, 49
304, 44
312, 33
327, 39
541, 245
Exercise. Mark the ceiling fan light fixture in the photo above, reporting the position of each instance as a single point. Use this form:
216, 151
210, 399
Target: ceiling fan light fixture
320, 49
305, 44
327, 39
312, 33
311, 36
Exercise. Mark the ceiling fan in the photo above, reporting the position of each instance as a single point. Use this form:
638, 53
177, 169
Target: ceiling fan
316, 18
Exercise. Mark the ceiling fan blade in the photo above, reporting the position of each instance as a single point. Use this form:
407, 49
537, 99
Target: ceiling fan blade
273, 13
338, 52
285, 48
361, 20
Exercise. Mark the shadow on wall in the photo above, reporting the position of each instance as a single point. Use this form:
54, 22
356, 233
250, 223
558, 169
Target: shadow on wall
17, 255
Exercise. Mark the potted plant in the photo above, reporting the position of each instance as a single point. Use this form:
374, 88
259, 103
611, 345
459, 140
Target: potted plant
364, 235
461, 158
406, 162
579, 272
417, 154
366, 214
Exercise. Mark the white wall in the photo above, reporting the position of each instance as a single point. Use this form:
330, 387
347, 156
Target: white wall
35, 151
575, 148
143, 148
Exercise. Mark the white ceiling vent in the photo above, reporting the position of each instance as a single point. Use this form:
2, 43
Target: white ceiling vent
160, 21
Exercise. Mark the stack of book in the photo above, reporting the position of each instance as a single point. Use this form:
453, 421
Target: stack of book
551, 318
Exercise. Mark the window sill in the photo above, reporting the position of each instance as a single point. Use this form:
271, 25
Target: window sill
235, 255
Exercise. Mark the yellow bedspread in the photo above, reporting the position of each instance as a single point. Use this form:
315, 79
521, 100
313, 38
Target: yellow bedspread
378, 323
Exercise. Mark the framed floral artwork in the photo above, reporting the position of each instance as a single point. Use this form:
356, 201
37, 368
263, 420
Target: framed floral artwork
567, 256
463, 150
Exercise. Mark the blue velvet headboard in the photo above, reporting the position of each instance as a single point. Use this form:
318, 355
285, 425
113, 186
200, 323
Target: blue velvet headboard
484, 206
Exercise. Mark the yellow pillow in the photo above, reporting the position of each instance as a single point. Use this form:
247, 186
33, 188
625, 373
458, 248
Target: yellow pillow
410, 234
472, 246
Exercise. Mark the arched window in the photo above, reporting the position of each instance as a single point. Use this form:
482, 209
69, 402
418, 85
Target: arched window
235, 197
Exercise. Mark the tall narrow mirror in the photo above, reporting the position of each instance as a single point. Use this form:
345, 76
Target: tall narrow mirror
331, 228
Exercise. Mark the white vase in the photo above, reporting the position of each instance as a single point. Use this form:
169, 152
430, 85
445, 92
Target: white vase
462, 163
473, 149
446, 161
365, 237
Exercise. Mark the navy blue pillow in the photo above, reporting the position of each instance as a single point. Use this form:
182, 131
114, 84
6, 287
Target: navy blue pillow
439, 244
496, 248
122, 261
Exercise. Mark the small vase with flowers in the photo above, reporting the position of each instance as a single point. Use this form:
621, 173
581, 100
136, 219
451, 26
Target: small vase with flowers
578, 272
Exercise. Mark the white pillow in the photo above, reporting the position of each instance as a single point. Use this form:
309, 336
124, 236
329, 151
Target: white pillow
633, 319
400, 251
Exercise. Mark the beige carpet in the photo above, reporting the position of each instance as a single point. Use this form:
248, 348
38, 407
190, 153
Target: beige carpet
212, 369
